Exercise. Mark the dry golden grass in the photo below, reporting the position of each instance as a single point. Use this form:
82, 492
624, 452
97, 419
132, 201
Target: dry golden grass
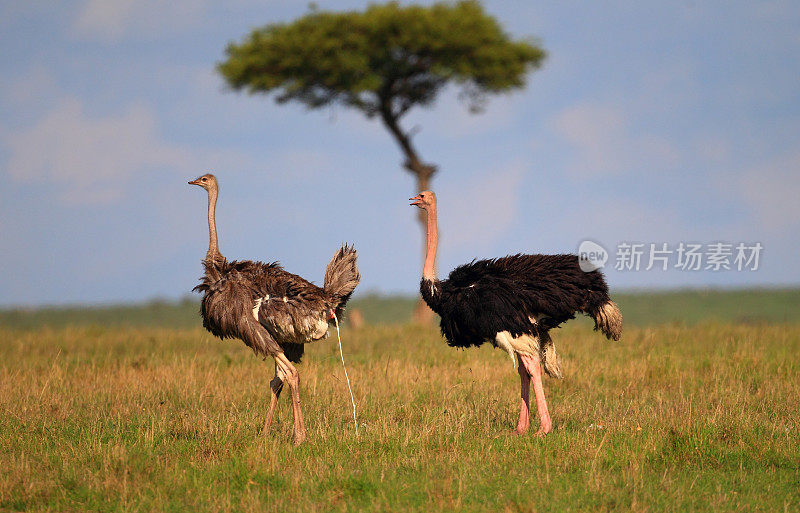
668, 419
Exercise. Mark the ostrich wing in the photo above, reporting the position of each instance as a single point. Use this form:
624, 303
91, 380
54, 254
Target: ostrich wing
291, 308
554, 285
485, 297
476, 311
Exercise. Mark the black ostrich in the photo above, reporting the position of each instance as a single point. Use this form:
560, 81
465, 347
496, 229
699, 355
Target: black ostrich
273, 311
513, 302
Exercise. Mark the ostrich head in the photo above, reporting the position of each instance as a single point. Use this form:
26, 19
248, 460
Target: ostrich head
424, 200
207, 182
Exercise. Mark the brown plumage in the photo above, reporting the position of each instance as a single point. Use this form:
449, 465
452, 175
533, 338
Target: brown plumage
272, 311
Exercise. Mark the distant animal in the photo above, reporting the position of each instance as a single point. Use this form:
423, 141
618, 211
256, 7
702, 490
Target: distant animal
513, 302
273, 311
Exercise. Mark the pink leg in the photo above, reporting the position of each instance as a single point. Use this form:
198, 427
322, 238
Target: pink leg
534, 368
525, 387
299, 427
293, 379
276, 386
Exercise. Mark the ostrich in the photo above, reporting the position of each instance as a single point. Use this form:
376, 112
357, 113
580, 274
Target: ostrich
513, 302
272, 311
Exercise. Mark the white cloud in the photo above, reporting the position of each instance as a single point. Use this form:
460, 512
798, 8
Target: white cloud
90, 159
104, 20
114, 20
111, 20
481, 210
27, 89
771, 189
25, 96
606, 143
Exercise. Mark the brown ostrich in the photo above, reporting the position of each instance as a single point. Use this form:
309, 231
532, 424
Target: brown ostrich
272, 311
513, 302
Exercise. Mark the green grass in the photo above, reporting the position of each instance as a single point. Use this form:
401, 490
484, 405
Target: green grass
752, 306
670, 418
639, 308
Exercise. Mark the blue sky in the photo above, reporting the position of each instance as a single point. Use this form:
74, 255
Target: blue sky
649, 122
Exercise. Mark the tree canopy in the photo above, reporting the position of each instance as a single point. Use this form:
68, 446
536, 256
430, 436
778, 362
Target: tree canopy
383, 60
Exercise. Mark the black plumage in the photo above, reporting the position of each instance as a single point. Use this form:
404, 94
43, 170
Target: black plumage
485, 297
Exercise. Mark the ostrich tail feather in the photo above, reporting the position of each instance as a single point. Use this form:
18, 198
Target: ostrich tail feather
608, 319
342, 276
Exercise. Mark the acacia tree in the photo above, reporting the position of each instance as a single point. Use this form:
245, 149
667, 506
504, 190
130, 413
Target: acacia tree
383, 61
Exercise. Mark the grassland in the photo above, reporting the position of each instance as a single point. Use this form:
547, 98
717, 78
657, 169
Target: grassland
640, 309
674, 417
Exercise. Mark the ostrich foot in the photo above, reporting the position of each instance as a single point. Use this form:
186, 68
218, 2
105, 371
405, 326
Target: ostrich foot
544, 429
299, 437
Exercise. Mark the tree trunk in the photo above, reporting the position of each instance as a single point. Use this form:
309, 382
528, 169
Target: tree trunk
423, 173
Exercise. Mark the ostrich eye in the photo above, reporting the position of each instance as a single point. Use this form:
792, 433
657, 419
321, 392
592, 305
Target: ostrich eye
204, 179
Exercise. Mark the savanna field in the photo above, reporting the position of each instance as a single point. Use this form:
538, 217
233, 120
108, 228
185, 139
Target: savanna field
696, 408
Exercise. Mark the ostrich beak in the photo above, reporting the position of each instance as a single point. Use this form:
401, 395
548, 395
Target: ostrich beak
194, 182
416, 200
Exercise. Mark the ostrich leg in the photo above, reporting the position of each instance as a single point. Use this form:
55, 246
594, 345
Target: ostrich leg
293, 378
534, 368
525, 387
275, 387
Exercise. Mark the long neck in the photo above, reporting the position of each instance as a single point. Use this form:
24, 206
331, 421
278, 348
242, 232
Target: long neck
429, 269
213, 245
